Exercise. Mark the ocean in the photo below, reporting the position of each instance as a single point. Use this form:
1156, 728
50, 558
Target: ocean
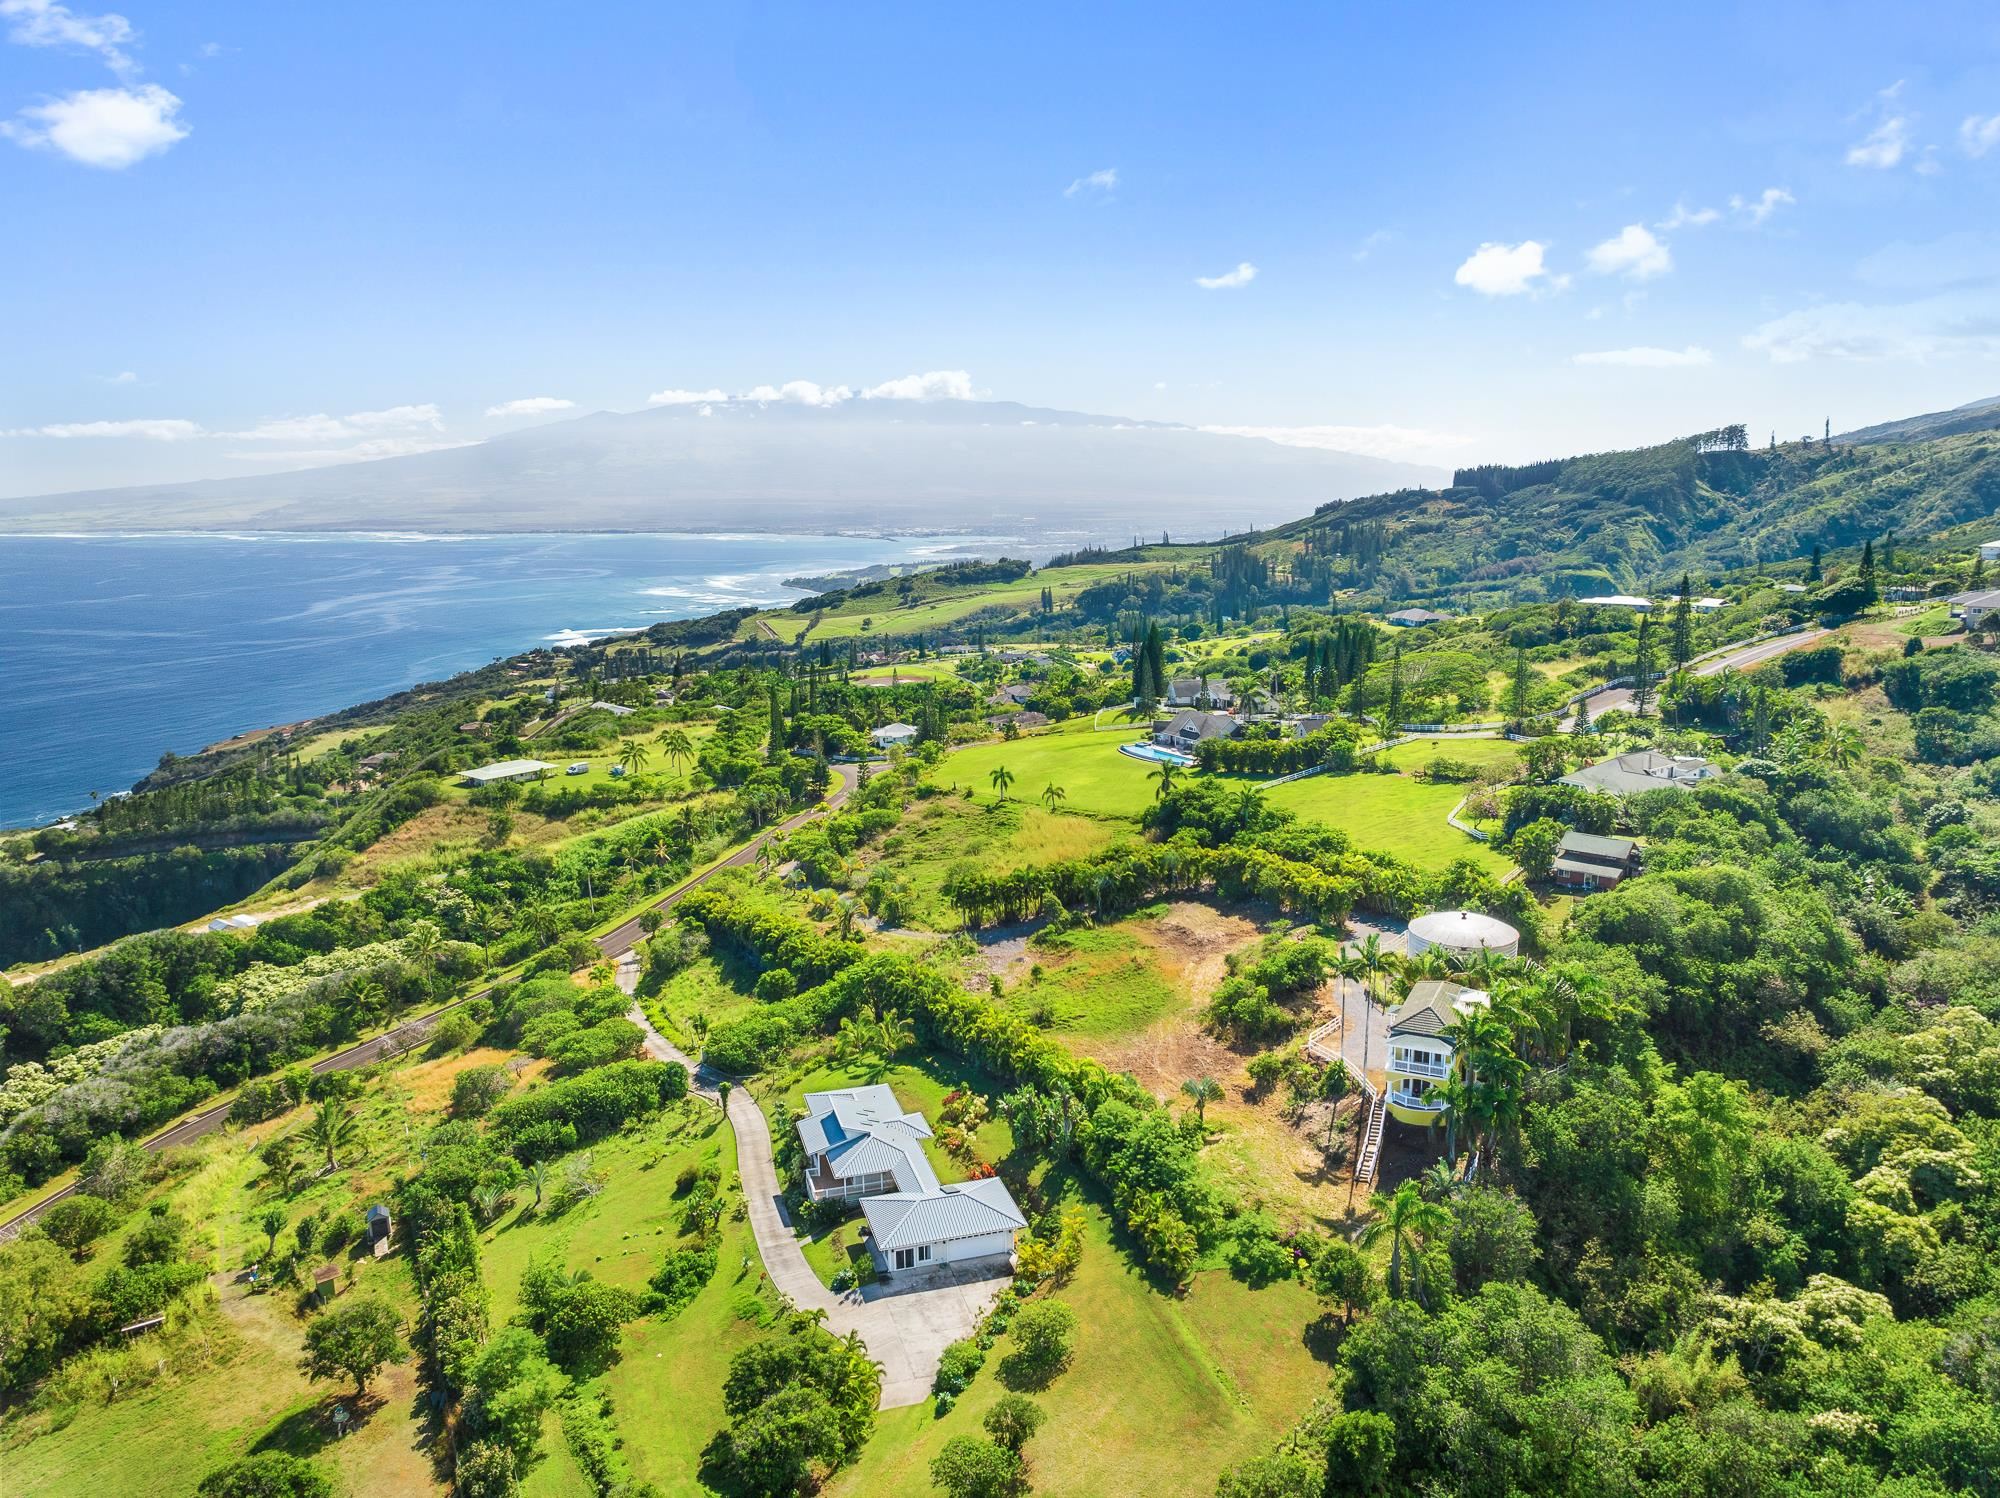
116, 648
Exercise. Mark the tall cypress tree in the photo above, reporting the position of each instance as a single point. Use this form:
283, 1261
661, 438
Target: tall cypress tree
1517, 702
1642, 667
1683, 636
777, 725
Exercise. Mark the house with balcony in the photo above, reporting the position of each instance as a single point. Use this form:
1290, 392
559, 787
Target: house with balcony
861, 1147
1585, 862
1420, 1052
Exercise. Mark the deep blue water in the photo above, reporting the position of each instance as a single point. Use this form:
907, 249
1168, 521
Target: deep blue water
115, 648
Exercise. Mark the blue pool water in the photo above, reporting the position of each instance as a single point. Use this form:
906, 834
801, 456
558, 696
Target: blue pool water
1158, 755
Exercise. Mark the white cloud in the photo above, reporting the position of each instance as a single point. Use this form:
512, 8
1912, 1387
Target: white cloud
1884, 146
799, 393
1409, 444
323, 428
1372, 242
123, 377
1646, 357
1979, 134
1684, 217
1761, 207
1634, 251
1496, 269
102, 127
1243, 275
936, 385
43, 23
531, 405
685, 397
170, 429
1919, 330
1103, 181
360, 452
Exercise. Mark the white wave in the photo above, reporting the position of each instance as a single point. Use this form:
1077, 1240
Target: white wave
586, 636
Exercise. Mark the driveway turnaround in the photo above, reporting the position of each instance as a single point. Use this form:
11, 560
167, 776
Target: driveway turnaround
905, 1322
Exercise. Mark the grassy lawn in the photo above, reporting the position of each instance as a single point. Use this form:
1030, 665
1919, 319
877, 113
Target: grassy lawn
702, 987
1096, 983
1162, 1394
1389, 813
903, 672
247, 1392
1098, 779
621, 1233
1008, 835
885, 616
1487, 754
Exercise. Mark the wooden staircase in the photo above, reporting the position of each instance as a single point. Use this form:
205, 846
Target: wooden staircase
1323, 1045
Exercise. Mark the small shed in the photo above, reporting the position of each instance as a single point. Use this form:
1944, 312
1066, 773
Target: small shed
323, 1278
379, 1225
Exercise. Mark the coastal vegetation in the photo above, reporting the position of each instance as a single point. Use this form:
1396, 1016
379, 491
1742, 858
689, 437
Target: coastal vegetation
1709, 1204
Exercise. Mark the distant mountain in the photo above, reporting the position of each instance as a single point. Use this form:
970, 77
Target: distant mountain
1978, 416
743, 465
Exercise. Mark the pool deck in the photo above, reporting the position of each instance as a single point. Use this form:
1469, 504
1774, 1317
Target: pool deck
1156, 755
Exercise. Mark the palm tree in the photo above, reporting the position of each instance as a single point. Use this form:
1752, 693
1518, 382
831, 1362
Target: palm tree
1408, 1222
1165, 778
332, 1129
1438, 1181
281, 1162
635, 757
1843, 746
1052, 794
537, 1175
1334, 1083
1204, 1090
369, 999
698, 1027
677, 747
422, 941
1001, 778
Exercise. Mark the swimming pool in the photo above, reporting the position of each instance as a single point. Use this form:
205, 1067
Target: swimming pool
1159, 755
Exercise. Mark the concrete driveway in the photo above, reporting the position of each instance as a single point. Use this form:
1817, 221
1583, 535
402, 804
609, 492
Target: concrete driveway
905, 1322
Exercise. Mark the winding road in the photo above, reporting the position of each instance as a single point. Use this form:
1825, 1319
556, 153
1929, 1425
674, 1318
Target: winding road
1729, 658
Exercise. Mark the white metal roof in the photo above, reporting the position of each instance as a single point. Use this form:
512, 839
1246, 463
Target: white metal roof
1463, 929
970, 1209
506, 769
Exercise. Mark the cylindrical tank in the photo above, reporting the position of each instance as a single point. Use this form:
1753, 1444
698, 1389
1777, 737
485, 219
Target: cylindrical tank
1462, 932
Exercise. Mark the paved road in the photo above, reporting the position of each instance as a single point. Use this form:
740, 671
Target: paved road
412, 1032
1747, 657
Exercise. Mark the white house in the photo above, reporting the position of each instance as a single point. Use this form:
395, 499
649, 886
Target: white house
1974, 607
1200, 691
1617, 601
1187, 729
506, 769
890, 735
1989, 551
860, 1146
1420, 1053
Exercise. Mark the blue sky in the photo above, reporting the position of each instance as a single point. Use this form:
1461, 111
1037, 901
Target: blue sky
243, 237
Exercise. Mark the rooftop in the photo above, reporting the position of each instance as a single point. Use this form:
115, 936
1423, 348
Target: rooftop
506, 769
1619, 848
970, 1209
1641, 770
1431, 1007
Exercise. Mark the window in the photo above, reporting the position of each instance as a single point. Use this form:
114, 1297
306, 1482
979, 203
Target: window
905, 1257
924, 1254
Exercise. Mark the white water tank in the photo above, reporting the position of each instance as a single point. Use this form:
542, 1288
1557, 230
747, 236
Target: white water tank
1462, 932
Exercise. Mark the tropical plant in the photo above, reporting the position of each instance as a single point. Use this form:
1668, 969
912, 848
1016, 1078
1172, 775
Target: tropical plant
332, 1129
1409, 1223
1204, 1090
1001, 779
1053, 795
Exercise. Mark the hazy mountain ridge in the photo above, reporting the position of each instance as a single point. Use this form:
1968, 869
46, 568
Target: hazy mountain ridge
1974, 416
893, 465
1619, 521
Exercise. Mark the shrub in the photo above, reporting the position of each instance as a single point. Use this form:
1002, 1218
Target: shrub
956, 1368
682, 1275
476, 1089
267, 1474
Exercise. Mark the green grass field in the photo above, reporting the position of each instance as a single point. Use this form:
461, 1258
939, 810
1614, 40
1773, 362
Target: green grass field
1097, 779
1389, 814
1096, 982
942, 832
1162, 1394
885, 616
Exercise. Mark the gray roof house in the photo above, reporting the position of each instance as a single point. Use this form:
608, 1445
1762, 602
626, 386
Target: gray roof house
1415, 618
1196, 691
506, 769
1584, 861
862, 1147
1974, 607
1189, 728
1641, 770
